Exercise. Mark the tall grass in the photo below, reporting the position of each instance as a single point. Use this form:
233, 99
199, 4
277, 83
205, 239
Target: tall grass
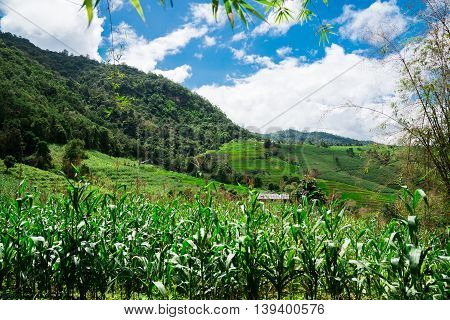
90, 245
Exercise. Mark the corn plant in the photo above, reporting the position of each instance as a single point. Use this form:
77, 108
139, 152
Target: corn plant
87, 244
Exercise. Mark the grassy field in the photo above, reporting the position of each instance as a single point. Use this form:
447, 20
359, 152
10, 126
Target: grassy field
350, 177
108, 173
353, 177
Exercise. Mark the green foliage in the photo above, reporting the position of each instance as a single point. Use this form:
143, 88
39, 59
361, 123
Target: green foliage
73, 155
366, 182
294, 136
42, 158
9, 162
244, 10
306, 187
74, 151
350, 152
92, 245
55, 97
107, 173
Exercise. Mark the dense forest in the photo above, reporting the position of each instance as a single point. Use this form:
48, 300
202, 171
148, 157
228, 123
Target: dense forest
55, 97
315, 137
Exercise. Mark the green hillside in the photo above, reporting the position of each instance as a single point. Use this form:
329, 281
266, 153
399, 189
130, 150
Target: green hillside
351, 176
121, 113
315, 137
118, 110
107, 173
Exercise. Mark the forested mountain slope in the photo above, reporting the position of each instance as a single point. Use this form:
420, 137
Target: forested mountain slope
55, 97
315, 137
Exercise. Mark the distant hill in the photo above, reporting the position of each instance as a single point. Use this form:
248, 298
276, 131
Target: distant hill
315, 137
118, 110
338, 171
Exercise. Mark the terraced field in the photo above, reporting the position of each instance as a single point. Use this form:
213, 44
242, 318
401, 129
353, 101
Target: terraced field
107, 173
44, 181
350, 177
353, 177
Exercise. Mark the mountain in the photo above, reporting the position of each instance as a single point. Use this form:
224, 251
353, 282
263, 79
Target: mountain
118, 110
315, 137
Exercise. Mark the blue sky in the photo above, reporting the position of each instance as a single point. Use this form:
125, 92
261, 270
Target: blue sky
252, 74
217, 63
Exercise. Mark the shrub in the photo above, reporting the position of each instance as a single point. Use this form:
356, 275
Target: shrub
307, 187
42, 158
273, 187
73, 155
9, 162
267, 144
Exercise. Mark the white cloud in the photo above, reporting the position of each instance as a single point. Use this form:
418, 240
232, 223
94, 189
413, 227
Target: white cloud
202, 13
256, 99
178, 74
238, 54
63, 20
241, 55
209, 41
116, 5
239, 36
198, 55
277, 29
379, 20
284, 51
145, 54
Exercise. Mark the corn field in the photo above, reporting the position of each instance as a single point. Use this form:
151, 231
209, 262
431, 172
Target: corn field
90, 245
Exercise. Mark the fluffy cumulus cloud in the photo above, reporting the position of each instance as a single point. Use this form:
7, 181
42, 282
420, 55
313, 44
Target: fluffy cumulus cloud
179, 74
380, 20
209, 41
201, 13
239, 36
145, 54
116, 5
53, 25
241, 55
284, 51
277, 29
255, 100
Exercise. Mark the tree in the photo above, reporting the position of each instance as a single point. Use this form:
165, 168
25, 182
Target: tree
257, 181
73, 155
9, 162
273, 187
350, 152
42, 159
267, 143
424, 109
306, 187
422, 112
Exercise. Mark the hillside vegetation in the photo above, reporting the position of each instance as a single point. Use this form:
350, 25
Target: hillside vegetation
117, 110
55, 97
314, 137
350, 174
108, 174
247, 158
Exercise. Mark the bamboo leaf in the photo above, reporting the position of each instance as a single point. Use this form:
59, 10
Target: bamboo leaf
89, 10
137, 5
